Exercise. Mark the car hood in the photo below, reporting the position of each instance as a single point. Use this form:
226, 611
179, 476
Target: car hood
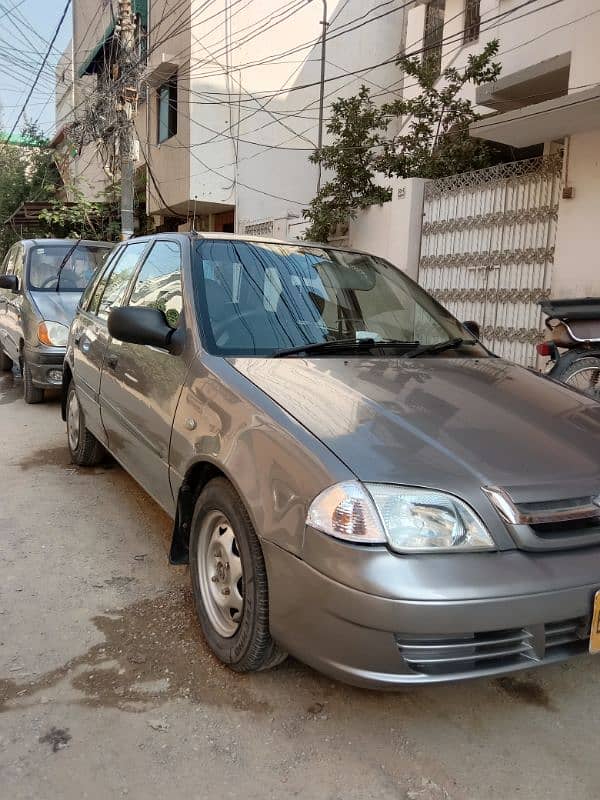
57, 306
442, 422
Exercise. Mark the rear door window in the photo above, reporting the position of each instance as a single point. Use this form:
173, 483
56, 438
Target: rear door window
90, 296
113, 289
158, 284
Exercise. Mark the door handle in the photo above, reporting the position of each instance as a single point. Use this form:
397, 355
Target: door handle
112, 360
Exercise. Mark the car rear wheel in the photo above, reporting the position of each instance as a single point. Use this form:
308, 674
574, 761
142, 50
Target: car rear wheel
85, 449
31, 394
5, 362
229, 581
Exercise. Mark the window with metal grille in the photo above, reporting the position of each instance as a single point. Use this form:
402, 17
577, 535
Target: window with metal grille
472, 21
167, 109
433, 35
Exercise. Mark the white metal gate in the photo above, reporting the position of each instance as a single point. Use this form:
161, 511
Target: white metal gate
487, 249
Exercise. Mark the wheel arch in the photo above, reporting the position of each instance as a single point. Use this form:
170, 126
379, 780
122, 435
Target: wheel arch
196, 478
67, 377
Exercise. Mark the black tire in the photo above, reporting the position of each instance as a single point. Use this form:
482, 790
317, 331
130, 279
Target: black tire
251, 647
5, 362
581, 373
31, 394
85, 449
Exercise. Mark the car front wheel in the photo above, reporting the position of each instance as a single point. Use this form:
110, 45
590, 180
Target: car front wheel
229, 581
31, 393
85, 449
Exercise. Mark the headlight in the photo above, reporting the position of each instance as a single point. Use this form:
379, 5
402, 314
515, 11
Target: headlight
53, 334
410, 520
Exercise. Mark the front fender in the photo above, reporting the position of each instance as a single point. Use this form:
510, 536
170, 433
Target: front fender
275, 464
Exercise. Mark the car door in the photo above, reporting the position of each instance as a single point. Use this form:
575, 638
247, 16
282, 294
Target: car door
13, 305
89, 332
141, 384
5, 269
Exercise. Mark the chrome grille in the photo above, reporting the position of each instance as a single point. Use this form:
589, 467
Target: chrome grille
470, 652
549, 525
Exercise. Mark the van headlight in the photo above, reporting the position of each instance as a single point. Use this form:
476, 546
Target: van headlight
409, 520
54, 334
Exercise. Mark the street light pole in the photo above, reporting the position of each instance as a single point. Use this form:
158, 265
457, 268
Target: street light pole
325, 25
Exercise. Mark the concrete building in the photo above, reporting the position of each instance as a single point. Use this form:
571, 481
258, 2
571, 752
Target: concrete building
492, 243
548, 95
228, 110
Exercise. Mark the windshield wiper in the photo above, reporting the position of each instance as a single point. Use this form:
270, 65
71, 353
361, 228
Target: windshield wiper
68, 255
439, 347
342, 344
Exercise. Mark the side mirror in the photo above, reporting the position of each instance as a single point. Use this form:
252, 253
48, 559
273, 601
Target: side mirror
473, 327
140, 326
10, 282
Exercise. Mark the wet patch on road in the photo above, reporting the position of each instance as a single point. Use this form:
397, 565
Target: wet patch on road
11, 388
47, 457
57, 738
119, 582
153, 652
526, 691
59, 456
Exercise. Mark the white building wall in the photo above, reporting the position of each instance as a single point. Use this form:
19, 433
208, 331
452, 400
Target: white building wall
576, 272
528, 36
273, 131
393, 230
65, 88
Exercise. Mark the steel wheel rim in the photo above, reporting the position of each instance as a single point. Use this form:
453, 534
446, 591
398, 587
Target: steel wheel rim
586, 380
220, 573
73, 421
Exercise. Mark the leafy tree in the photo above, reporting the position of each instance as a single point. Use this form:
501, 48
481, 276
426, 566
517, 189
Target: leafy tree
27, 173
356, 126
437, 142
83, 218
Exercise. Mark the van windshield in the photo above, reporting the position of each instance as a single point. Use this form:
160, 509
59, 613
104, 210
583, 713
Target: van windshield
260, 298
45, 261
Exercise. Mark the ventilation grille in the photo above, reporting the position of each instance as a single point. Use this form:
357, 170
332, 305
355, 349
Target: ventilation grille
470, 652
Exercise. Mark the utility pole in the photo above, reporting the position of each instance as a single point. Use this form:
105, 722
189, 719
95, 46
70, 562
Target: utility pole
126, 109
325, 25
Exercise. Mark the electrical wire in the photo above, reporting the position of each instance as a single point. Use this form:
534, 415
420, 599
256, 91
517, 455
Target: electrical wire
34, 84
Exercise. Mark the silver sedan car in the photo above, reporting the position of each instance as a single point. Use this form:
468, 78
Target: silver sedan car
353, 477
41, 281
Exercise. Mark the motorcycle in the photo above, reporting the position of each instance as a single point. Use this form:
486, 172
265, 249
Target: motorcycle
574, 329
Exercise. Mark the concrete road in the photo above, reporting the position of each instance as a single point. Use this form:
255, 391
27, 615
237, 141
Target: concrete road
107, 689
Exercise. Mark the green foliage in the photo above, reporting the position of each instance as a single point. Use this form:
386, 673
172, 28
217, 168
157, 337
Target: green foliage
83, 218
356, 126
437, 142
434, 143
27, 173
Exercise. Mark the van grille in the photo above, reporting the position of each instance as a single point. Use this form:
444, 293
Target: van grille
470, 652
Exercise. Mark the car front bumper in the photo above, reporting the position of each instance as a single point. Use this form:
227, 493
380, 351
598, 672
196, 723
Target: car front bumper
388, 642
46, 366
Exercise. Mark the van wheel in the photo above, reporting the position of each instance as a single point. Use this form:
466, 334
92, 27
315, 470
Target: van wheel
229, 581
31, 394
5, 362
85, 449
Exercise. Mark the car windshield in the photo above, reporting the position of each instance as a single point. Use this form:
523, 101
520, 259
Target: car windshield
45, 262
258, 298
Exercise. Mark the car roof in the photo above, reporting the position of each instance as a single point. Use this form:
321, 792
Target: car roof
40, 242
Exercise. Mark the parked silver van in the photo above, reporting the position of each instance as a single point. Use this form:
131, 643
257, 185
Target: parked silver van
41, 282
